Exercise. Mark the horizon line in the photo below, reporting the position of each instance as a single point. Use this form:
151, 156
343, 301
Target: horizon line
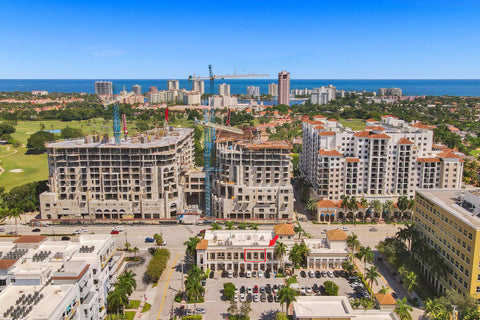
173, 78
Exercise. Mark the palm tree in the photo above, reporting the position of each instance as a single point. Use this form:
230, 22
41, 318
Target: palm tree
367, 255
15, 213
287, 295
387, 208
376, 205
191, 246
229, 225
216, 226
403, 309
116, 299
311, 205
372, 275
135, 251
124, 284
348, 267
345, 204
280, 251
242, 226
353, 206
295, 255
254, 226
194, 290
402, 204
298, 230
353, 243
408, 234
410, 281
364, 204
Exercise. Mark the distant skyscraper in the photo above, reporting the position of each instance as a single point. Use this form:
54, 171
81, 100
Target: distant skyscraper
153, 89
199, 86
273, 89
284, 88
253, 91
173, 85
137, 89
224, 89
104, 88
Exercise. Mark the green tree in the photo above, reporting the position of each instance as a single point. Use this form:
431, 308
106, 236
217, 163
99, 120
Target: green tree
348, 267
287, 295
280, 251
331, 288
408, 234
353, 243
281, 316
403, 204
367, 255
403, 309
233, 308
371, 276
216, 226
311, 205
242, 226
116, 300
6, 128
253, 226
229, 225
36, 142
229, 290
245, 308
376, 205
158, 239
71, 133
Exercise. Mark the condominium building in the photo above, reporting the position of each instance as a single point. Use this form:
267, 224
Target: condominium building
199, 86
253, 91
224, 89
300, 92
323, 95
449, 221
284, 88
390, 92
225, 101
47, 279
253, 180
273, 89
137, 89
388, 159
104, 88
250, 249
173, 85
192, 98
140, 178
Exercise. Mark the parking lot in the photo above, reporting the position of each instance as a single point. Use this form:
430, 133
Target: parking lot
215, 304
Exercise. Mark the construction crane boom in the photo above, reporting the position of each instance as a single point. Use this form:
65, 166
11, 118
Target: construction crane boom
217, 126
117, 99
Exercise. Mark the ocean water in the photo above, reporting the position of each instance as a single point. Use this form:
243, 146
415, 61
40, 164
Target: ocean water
409, 87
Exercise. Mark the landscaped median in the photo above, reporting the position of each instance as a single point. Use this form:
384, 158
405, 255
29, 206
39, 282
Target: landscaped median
157, 264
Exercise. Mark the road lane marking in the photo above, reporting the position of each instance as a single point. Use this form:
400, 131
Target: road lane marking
166, 287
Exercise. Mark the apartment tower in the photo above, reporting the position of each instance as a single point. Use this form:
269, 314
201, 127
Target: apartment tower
104, 88
284, 88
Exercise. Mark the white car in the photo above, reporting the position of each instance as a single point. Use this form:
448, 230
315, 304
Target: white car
302, 290
80, 231
308, 289
118, 228
235, 298
311, 274
248, 274
230, 273
249, 290
200, 311
243, 297
260, 274
330, 273
256, 297
345, 228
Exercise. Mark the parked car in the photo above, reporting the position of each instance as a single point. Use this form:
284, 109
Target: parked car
260, 273
373, 229
36, 230
262, 289
275, 288
267, 274
276, 298
311, 273
256, 297
65, 238
230, 273
249, 289
149, 240
243, 297
316, 288
263, 297
200, 311
345, 228
118, 228
212, 274
2, 230
114, 232
308, 289
242, 289
248, 274
255, 289
318, 274
324, 273
303, 274
254, 274
302, 290
235, 298
270, 298
268, 288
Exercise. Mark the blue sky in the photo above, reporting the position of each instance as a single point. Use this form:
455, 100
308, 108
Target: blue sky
172, 39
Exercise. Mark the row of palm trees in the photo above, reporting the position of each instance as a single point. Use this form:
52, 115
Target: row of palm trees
117, 299
193, 285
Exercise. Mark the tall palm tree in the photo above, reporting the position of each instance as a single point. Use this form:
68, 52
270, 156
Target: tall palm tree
15, 213
372, 275
287, 295
194, 290
311, 205
364, 204
348, 267
124, 284
402, 204
229, 225
191, 246
345, 204
407, 234
116, 299
410, 281
280, 251
403, 309
135, 251
376, 206
387, 208
295, 255
216, 226
299, 230
367, 255
353, 243
353, 207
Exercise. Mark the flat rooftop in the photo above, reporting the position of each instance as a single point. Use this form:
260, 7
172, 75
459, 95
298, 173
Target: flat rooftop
223, 238
147, 140
455, 202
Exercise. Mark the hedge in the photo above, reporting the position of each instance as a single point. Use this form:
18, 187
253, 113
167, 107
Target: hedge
158, 263
194, 317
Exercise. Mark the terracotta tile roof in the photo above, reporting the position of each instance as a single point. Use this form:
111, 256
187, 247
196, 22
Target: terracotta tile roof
376, 128
362, 134
312, 122
370, 120
284, 229
389, 116
385, 299
319, 127
352, 159
327, 204
30, 239
448, 154
404, 141
7, 263
336, 235
333, 120
380, 136
329, 153
326, 133
428, 160
423, 126
319, 117
202, 245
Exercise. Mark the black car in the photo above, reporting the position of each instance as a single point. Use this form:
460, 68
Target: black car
322, 289
267, 274
36, 230
65, 238
268, 288
241, 274
249, 297
242, 289
212, 273
343, 273
204, 282
315, 288
303, 274
270, 298
263, 297
318, 274
224, 274
235, 274
336, 273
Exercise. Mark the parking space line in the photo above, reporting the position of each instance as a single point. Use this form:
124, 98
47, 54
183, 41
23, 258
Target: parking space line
166, 287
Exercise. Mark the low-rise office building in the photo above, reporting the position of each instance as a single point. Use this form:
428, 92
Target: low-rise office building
449, 221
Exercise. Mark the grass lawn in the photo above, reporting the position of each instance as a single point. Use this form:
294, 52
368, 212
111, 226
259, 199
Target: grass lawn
474, 152
129, 315
183, 122
134, 304
34, 167
146, 307
354, 124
